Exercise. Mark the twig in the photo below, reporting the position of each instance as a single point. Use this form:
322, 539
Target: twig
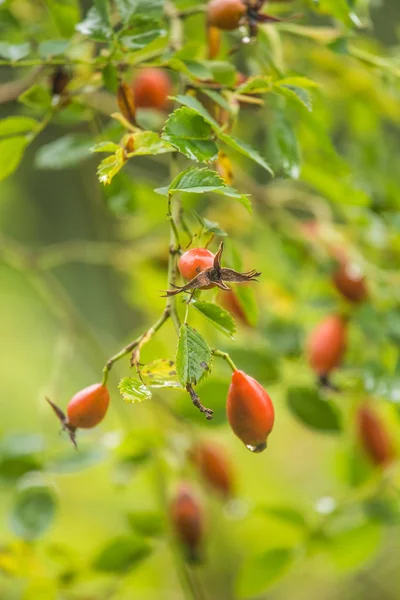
198, 404
13, 89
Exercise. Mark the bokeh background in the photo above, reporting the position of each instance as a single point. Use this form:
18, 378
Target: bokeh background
81, 269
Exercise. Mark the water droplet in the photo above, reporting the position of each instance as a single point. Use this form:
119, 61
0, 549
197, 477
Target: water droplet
325, 505
256, 448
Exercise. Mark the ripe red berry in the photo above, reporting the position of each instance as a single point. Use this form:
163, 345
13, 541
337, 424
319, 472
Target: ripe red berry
350, 282
151, 89
193, 261
214, 467
88, 407
225, 14
327, 345
188, 521
373, 436
250, 411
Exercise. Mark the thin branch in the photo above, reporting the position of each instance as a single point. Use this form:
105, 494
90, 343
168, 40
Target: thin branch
198, 404
13, 89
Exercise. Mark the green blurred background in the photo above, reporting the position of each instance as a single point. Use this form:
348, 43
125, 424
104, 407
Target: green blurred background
80, 276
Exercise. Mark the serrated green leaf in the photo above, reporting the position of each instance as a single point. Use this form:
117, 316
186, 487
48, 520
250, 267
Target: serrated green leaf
11, 153
284, 146
13, 125
131, 10
110, 166
133, 390
190, 134
104, 147
36, 96
298, 81
197, 106
148, 143
121, 554
52, 48
201, 180
140, 40
260, 572
312, 410
160, 373
260, 84
223, 71
65, 152
193, 356
245, 149
14, 52
95, 25
295, 94
219, 317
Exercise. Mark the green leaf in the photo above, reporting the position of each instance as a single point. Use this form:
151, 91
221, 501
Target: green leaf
140, 40
37, 97
191, 135
131, 10
284, 146
247, 300
312, 410
121, 554
65, 152
133, 390
65, 16
223, 71
219, 317
295, 94
110, 78
286, 514
52, 48
160, 373
14, 52
259, 361
147, 522
110, 166
201, 180
11, 153
259, 573
33, 511
197, 106
260, 84
353, 546
245, 149
12, 125
104, 147
193, 356
148, 143
298, 81
96, 25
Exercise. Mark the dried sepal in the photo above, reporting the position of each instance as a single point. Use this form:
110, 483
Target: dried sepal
216, 276
66, 426
126, 102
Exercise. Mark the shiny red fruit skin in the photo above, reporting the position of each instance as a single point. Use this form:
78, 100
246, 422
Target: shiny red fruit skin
193, 261
88, 407
350, 285
373, 436
151, 89
214, 467
225, 14
250, 411
188, 520
327, 345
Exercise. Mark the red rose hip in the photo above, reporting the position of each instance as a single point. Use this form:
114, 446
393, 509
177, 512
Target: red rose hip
88, 407
250, 411
214, 468
225, 14
373, 436
193, 261
327, 345
188, 521
350, 282
151, 89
